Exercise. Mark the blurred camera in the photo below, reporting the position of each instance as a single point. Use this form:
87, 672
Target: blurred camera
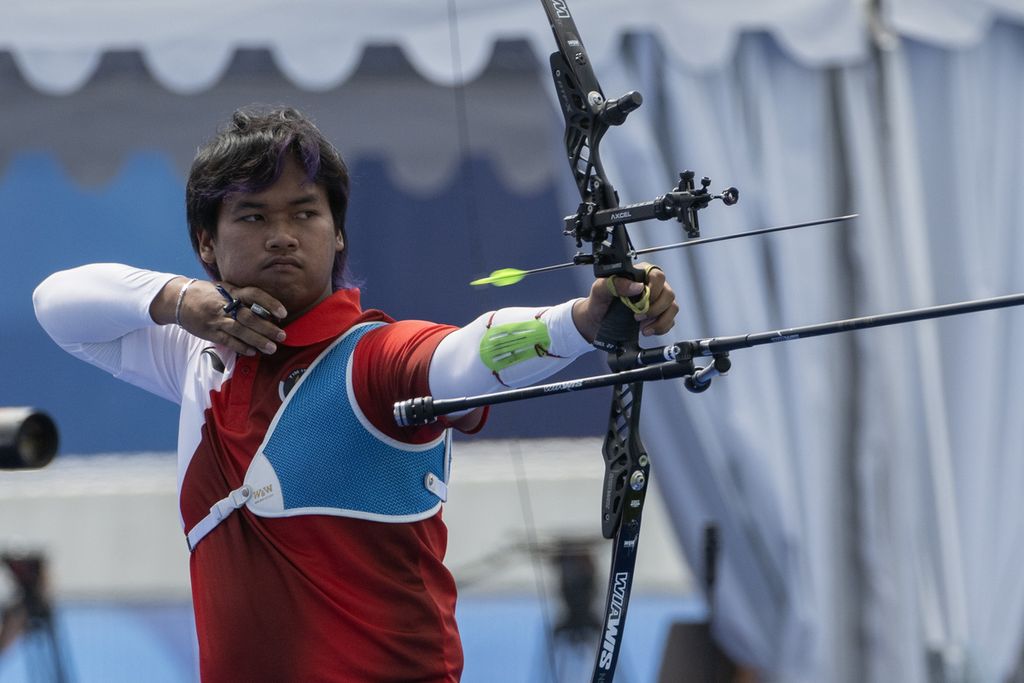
28, 439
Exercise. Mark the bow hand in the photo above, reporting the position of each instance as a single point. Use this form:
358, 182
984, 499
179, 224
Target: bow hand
617, 307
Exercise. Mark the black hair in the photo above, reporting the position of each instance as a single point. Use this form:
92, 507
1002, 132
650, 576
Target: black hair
248, 155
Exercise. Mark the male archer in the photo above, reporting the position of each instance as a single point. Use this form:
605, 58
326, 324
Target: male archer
313, 521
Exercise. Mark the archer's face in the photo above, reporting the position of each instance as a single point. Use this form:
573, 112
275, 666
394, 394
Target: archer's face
282, 240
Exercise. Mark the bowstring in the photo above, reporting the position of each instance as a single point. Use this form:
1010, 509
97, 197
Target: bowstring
534, 551
467, 180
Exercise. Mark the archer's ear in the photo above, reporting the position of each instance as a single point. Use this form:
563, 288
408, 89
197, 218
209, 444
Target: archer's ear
206, 248
339, 241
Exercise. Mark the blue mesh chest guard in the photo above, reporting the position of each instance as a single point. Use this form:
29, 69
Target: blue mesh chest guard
321, 455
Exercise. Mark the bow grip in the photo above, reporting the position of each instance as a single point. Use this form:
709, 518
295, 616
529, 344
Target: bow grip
618, 328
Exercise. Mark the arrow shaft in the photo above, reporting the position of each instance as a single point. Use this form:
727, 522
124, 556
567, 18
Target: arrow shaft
545, 269
747, 233
705, 240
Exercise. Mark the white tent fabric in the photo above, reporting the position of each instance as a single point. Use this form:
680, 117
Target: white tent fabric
951, 23
741, 456
317, 43
879, 514
864, 494
954, 160
866, 487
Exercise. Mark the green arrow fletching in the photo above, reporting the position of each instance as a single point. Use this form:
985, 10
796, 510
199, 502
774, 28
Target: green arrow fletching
502, 277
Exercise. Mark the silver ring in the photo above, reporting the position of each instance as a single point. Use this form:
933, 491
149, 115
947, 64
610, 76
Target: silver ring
260, 312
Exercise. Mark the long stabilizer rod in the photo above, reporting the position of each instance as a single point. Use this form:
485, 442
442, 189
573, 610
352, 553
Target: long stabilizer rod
710, 347
674, 360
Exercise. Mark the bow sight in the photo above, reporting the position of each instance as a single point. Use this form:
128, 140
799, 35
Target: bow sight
589, 224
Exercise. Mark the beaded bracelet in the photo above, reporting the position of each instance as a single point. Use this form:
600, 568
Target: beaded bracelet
181, 297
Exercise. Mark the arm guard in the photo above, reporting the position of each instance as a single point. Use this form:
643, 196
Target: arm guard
510, 347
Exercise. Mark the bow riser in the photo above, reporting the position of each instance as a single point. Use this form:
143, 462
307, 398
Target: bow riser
588, 115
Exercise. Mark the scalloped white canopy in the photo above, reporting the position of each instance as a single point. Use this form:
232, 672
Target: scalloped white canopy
317, 43
951, 23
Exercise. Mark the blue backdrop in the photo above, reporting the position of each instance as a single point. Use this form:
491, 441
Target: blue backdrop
414, 254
